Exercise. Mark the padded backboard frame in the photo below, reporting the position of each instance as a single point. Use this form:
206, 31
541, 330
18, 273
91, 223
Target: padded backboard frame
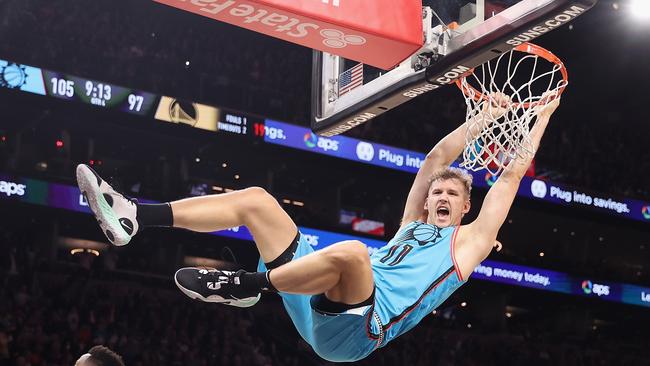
445, 57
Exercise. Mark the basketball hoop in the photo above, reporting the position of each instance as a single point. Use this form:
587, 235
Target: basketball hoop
502, 99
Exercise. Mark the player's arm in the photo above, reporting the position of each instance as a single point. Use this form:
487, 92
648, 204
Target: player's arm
441, 156
445, 152
483, 231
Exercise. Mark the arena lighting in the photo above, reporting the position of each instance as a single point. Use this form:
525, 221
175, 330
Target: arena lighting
508, 315
236, 176
59, 143
224, 165
541, 254
640, 9
298, 203
79, 250
41, 166
463, 304
81, 245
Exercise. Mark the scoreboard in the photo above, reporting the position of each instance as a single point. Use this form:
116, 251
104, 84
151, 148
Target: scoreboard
101, 94
128, 100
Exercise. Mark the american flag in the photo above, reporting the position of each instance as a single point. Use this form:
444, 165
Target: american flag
350, 79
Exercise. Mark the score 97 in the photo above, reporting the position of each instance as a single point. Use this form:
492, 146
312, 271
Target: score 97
135, 102
62, 87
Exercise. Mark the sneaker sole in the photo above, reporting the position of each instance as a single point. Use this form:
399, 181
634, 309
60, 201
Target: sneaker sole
218, 299
103, 212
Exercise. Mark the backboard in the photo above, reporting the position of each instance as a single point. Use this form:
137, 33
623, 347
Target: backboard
459, 35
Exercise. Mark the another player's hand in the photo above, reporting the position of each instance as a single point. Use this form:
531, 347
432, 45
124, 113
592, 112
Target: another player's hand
496, 105
548, 104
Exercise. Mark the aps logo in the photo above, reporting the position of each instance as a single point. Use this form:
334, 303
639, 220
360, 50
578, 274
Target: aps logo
589, 287
12, 189
645, 211
310, 140
323, 143
490, 179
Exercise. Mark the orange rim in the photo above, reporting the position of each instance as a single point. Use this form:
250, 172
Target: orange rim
532, 49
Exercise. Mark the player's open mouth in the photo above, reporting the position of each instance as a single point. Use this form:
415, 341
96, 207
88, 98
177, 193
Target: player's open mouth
442, 212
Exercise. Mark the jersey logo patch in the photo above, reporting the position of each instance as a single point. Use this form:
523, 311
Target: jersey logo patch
423, 234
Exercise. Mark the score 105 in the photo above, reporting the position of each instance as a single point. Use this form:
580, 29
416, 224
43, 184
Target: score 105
98, 94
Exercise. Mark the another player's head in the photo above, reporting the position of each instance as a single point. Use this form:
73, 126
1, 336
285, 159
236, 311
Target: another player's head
448, 198
100, 356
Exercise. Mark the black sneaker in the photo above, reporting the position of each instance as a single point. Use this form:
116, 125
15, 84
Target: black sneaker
213, 285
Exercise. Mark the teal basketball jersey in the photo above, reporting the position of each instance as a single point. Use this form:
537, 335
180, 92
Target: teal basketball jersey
414, 273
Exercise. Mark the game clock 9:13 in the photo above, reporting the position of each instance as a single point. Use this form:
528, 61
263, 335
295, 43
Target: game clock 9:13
98, 93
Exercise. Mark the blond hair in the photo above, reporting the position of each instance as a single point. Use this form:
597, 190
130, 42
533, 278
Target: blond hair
453, 173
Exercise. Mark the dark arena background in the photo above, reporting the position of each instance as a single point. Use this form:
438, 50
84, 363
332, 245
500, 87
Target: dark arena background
166, 104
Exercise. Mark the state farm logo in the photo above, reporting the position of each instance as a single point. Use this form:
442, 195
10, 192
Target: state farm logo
334, 38
276, 22
11, 188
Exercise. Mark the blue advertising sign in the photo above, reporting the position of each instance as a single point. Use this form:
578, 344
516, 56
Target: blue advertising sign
523, 276
364, 152
602, 290
303, 138
70, 198
636, 295
34, 80
320, 239
563, 195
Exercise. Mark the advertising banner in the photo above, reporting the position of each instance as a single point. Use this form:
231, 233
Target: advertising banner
69, 197
358, 30
365, 152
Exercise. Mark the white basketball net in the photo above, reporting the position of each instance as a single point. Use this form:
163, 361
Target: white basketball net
496, 133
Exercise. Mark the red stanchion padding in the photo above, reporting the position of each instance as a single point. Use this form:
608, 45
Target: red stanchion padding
380, 33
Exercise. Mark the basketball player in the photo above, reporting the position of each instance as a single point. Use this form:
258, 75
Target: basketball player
100, 356
343, 302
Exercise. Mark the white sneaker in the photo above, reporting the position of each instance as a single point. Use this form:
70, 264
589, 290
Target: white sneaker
115, 213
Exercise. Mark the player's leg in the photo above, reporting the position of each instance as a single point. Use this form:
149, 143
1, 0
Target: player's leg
121, 218
271, 227
342, 272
